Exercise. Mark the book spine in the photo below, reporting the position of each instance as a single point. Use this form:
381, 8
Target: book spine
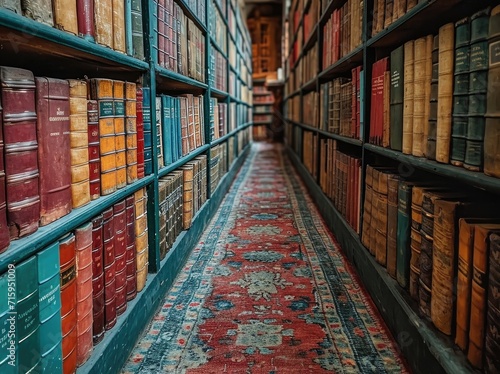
419, 97
120, 133
140, 134
408, 96
396, 98
40, 11
118, 20
147, 126
141, 241
430, 150
65, 15
492, 362
93, 149
428, 82
403, 234
137, 30
85, 18
4, 228
109, 272
97, 279
415, 240
392, 224
120, 244
103, 19
131, 250
426, 249
131, 131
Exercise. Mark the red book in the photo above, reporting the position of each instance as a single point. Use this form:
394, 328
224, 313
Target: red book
85, 16
54, 152
140, 134
377, 101
109, 269
120, 223
94, 153
4, 229
67, 261
21, 149
131, 252
336, 31
161, 32
97, 280
83, 236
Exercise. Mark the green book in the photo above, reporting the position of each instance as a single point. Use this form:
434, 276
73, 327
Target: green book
403, 253
396, 98
167, 129
5, 317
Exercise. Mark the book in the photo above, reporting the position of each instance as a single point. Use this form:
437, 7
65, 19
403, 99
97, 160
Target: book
392, 223
65, 16
54, 153
120, 248
103, 20
135, 38
403, 255
420, 99
141, 241
93, 149
21, 150
430, 149
40, 11
140, 134
429, 40
79, 143
147, 126
491, 361
397, 98
97, 280
4, 228
378, 99
120, 131
131, 131
109, 273
131, 251
408, 96
85, 19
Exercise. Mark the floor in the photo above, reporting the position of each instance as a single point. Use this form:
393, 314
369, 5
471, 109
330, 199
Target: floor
266, 290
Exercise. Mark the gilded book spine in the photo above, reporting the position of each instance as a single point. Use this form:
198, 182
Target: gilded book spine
141, 241
131, 131
131, 251
93, 145
120, 138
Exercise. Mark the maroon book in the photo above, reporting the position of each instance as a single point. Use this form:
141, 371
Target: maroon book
21, 148
97, 280
120, 221
54, 152
85, 15
109, 269
4, 230
94, 155
140, 134
130, 259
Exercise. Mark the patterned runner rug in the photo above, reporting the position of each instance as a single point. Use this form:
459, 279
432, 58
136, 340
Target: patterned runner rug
266, 291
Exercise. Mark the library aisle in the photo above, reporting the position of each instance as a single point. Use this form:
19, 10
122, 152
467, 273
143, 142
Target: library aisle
266, 290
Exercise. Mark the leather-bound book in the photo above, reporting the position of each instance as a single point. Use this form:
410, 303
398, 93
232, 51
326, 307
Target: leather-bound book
141, 241
85, 19
14, 5
54, 153
135, 39
184, 125
140, 134
103, 20
27, 315
109, 269
4, 228
478, 86
97, 280
403, 234
49, 291
163, 185
65, 15
392, 223
367, 219
377, 98
397, 94
492, 339
102, 91
445, 92
119, 40
131, 131
21, 150
67, 259
120, 228
419, 96
131, 251
430, 149
120, 138
40, 11
415, 239
188, 170
460, 92
84, 301
94, 152
389, 9
79, 143
159, 132
408, 96
427, 91
382, 227
479, 292
492, 126
147, 126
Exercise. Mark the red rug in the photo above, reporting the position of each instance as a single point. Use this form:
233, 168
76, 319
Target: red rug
266, 291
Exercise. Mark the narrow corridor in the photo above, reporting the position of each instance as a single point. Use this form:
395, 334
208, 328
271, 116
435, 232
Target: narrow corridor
266, 291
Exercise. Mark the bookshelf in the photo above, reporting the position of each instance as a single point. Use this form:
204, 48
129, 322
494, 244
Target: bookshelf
217, 78
342, 137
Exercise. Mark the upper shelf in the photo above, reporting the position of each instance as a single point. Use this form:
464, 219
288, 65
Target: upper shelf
172, 81
343, 65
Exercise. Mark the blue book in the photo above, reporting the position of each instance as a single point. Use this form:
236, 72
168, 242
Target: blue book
148, 141
166, 129
178, 130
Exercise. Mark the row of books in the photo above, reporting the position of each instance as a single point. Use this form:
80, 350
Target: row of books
194, 188
311, 18
70, 293
307, 68
259, 133
340, 180
218, 165
180, 43
244, 137
180, 126
433, 96
63, 143
116, 24
385, 12
218, 68
309, 145
420, 230
217, 29
218, 119
262, 109
343, 32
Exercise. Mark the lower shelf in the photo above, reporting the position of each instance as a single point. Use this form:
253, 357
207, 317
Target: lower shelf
426, 350
110, 354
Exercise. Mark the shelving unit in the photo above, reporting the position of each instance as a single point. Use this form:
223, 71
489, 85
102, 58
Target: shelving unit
426, 349
48, 51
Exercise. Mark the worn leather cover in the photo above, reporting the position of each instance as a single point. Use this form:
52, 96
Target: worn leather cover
120, 226
131, 131
103, 19
492, 340
147, 126
188, 194
86, 27
65, 15
98, 317
420, 100
142, 277
39, 10
94, 156
4, 229
14, 5
20, 152
140, 134
119, 42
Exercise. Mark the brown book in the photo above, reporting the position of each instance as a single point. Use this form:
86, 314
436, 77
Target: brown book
79, 143
492, 128
141, 241
131, 251
119, 43
163, 185
97, 280
120, 138
84, 305
408, 96
491, 344
103, 18
427, 81
392, 223
131, 131
54, 154
382, 221
415, 239
367, 213
120, 227
109, 269
478, 304
188, 170
93, 149
40, 11
419, 97
445, 92
20, 141
389, 9
65, 15
67, 260
4, 228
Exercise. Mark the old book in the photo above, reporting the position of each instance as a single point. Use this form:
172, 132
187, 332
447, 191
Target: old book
53, 148
131, 131
419, 96
430, 149
4, 228
140, 134
479, 292
141, 241
137, 30
381, 212
119, 40
109, 269
392, 223
103, 19
79, 143
21, 149
13, 5
120, 228
397, 95
40, 11
97, 280
415, 239
445, 92
93, 149
49, 292
491, 346
85, 19
65, 15
84, 301
389, 10
147, 126
428, 82
367, 213
119, 129
460, 92
377, 98
408, 96
67, 259
131, 250
188, 188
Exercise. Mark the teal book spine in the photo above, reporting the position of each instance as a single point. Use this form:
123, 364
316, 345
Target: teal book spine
403, 253
396, 98
8, 342
136, 29
129, 48
166, 129
146, 118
